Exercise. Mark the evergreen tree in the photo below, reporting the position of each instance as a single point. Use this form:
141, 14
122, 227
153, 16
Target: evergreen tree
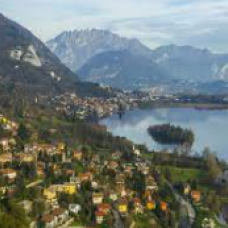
23, 133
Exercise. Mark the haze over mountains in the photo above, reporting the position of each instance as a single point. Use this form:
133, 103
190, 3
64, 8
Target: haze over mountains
104, 57
123, 69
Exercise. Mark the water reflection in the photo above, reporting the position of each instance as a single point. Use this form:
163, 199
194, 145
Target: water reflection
210, 127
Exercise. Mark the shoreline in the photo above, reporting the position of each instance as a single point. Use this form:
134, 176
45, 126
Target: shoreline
199, 107
202, 106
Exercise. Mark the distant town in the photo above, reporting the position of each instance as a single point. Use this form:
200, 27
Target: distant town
95, 107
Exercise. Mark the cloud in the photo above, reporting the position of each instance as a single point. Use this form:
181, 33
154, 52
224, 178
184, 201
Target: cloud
195, 22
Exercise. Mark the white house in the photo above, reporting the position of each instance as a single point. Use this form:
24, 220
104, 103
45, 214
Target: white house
75, 208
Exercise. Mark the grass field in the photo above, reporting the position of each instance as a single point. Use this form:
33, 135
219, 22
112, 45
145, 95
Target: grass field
184, 174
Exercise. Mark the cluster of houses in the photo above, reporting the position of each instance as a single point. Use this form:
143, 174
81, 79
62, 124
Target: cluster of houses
92, 105
195, 195
108, 177
111, 195
10, 126
108, 196
56, 217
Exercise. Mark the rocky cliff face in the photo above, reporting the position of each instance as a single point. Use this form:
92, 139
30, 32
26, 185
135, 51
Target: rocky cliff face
77, 47
28, 55
26, 60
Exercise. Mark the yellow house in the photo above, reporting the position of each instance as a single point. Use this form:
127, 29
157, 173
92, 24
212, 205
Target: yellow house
70, 188
150, 205
49, 194
77, 155
187, 189
53, 190
61, 146
123, 206
4, 120
23, 157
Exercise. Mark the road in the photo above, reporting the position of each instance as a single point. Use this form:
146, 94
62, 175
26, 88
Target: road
67, 223
221, 220
33, 184
187, 212
118, 220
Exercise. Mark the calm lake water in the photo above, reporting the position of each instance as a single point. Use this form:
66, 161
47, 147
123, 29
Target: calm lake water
210, 126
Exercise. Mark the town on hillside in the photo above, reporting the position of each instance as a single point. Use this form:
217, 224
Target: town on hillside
54, 185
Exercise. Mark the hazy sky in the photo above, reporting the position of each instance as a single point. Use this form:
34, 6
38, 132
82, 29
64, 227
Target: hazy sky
202, 23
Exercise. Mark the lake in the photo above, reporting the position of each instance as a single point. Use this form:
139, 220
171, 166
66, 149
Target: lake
210, 127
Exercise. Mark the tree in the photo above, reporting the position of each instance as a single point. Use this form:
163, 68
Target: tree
1, 131
22, 191
11, 215
212, 164
34, 193
213, 202
38, 208
23, 133
1, 149
45, 135
65, 199
139, 182
168, 175
206, 153
170, 134
172, 220
32, 171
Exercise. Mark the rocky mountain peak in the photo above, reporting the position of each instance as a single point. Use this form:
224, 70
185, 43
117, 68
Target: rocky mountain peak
76, 47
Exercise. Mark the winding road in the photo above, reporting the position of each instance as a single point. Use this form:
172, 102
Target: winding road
118, 220
187, 212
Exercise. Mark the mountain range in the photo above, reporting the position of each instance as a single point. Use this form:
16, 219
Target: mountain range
99, 56
75, 48
122, 69
104, 57
189, 63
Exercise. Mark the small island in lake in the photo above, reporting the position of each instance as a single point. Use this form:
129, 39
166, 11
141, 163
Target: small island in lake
169, 134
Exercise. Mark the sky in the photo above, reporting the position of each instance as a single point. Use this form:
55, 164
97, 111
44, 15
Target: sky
200, 23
